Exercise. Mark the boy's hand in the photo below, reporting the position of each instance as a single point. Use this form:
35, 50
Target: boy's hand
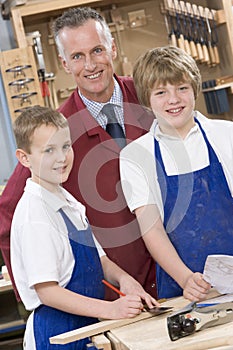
196, 288
125, 307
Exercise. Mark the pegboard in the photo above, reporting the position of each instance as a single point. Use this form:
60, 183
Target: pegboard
20, 79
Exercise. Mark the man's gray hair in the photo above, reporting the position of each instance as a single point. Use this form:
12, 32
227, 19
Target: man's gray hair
76, 17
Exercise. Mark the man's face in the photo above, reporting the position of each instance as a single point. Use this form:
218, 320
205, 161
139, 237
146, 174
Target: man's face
88, 58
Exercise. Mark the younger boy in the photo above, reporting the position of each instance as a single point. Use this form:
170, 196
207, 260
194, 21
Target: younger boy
57, 264
178, 178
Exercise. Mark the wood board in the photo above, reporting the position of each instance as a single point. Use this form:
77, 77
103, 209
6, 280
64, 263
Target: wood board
96, 328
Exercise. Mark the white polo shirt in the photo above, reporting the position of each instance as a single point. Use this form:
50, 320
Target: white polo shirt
138, 167
40, 248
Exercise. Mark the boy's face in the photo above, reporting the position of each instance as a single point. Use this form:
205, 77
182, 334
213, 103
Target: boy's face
51, 157
173, 107
88, 60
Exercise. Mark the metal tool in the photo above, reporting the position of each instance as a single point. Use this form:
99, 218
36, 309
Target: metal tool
21, 83
197, 34
193, 318
169, 25
158, 310
203, 36
214, 37
184, 27
193, 48
24, 97
179, 32
18, 70
210, 46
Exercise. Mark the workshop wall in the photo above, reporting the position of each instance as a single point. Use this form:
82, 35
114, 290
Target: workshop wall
132, 39
131, 42
149, 31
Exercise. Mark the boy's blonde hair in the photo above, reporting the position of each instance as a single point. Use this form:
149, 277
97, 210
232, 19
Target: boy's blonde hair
31, 119
162, 65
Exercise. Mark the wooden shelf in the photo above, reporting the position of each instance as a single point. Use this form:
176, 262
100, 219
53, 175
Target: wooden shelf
219, 87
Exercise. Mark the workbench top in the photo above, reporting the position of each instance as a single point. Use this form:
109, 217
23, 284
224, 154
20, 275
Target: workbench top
152, 334
147, 332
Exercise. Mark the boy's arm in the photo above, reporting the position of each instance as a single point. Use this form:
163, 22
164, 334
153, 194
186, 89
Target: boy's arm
51, 294
8, 201
163, 252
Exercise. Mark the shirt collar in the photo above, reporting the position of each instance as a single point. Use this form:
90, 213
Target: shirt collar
158, 134
95, 107
51, 199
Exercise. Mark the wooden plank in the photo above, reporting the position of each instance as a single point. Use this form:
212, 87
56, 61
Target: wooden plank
96, 328
115, 342
101, 342
18, 27
53, 5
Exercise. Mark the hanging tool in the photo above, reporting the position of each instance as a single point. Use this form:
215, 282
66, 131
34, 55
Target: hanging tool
41, 71
172, 34
34, 40
169, 26
200, 55
210, 47
203, 36
190, 31
215, 39
179, 35
193, 318
185, 30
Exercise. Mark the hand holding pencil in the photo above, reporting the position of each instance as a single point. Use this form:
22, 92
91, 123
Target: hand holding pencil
134, 288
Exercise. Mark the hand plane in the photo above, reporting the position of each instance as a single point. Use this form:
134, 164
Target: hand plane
193, 318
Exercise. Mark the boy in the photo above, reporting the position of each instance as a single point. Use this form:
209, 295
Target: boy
178, 178
57, 264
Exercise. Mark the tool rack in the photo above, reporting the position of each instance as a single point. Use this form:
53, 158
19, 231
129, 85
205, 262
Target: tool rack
19, 73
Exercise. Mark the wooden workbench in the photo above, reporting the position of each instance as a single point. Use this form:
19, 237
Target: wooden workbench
151, 334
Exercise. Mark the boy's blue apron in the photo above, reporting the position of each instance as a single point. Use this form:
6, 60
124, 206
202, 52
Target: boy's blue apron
205, 227
86, 279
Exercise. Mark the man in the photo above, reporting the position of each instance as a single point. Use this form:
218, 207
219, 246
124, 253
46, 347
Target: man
87, 51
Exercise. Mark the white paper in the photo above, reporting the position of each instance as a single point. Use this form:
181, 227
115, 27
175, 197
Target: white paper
218, 271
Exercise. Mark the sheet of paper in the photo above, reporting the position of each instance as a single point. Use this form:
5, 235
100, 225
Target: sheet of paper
218, 271
220, 299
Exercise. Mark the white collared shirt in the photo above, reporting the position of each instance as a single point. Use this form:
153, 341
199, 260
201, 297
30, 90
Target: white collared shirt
95, 108
138, 167
40, 248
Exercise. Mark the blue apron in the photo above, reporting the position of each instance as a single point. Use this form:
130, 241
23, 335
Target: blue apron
204, 227
86, 280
